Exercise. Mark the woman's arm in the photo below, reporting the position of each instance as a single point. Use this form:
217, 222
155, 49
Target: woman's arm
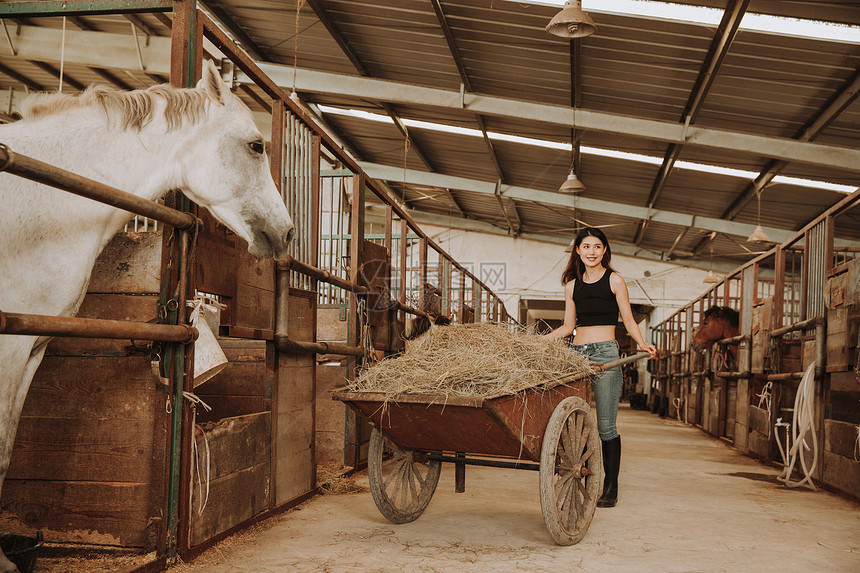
616, 283
566, 329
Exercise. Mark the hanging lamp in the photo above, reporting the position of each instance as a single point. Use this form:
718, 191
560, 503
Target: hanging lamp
572, 184
711, 277
571, 22
758, 235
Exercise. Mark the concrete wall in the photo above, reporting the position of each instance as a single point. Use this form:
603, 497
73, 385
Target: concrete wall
517, 268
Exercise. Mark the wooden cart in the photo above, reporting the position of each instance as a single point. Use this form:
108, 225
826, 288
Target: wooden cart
551, 425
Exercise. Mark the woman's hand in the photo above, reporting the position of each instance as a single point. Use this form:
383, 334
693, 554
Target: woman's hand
650, 349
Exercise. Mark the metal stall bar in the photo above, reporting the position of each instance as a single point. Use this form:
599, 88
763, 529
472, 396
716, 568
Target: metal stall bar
72, 327
43, 8
47, 174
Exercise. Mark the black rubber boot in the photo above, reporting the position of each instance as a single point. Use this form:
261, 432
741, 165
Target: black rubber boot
611, 464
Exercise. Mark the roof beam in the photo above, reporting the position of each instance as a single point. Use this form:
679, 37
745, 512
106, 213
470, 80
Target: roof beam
834, 106
391, 173
114, 50
242, 37
846, 95
19, 77
45, 67
335, 34
618, 248
720, 45
467, 87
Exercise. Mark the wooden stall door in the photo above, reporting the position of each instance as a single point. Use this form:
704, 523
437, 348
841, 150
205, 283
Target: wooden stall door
88, 463
294, 467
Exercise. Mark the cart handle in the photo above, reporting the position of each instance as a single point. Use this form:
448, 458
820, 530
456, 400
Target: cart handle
620, 361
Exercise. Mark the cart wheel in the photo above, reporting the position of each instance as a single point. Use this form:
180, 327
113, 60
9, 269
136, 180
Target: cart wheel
571, 469
401, 481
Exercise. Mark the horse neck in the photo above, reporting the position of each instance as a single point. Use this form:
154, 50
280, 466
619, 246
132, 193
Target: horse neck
136, 162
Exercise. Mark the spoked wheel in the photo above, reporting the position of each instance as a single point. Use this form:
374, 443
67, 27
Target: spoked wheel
571, 471
401, 481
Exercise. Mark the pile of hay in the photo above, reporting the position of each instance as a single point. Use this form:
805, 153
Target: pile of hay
479, 360
335, 480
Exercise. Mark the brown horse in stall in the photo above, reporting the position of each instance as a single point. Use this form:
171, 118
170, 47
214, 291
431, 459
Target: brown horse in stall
721, 322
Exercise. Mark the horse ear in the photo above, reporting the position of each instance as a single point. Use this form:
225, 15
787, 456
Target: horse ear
212, 83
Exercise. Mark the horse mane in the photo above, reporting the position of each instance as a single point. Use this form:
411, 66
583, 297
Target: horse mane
726, 312
133, 109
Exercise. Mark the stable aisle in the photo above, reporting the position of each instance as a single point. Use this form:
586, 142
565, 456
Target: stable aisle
687, 503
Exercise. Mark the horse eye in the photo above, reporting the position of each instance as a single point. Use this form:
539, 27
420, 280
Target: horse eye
256, 147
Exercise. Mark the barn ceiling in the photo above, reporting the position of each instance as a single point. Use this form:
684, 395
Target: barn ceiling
656, 98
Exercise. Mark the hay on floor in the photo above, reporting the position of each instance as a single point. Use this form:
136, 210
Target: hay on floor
478, 360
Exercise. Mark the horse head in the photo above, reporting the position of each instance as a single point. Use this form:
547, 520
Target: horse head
718, 322
226, 170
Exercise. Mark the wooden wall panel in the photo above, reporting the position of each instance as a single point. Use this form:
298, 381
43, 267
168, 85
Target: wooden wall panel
239, 474
130, 263
243, 387
89, 457
331, 415
294, 425
233, 498
79, 512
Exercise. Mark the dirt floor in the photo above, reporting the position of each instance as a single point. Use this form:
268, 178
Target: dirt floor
687, 503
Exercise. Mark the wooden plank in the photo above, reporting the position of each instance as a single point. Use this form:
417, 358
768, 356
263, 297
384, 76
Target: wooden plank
82, 449
112, 307
130, 263
294, 430
78, 512
844, 406
238, 379
254, 308
840, 438
235, 443
301, 315
842, 473
231, 406
844, 382
233, 498
758, 420
216, 257
331, 325
758, 445
95, 387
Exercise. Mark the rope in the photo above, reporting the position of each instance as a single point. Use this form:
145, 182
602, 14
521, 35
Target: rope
765, 396
62, 55
296, 48
857, 445
202, 500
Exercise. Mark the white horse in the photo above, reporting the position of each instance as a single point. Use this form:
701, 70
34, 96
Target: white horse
202, 141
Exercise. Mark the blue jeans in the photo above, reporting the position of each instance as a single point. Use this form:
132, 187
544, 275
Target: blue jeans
606, 388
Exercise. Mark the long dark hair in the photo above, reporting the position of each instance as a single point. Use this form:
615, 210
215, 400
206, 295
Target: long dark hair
575, 266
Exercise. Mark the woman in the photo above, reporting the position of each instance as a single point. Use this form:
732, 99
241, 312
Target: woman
594, 294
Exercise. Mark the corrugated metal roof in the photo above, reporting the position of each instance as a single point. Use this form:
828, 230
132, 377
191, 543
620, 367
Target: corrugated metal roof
766, 85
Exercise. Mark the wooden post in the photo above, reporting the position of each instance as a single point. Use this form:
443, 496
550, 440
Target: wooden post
462, 309
356, 226
422, 272
186, 57
282, 289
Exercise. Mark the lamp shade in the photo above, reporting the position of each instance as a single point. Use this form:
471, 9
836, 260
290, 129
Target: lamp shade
758, 236
571, 22
711, 278
572, 184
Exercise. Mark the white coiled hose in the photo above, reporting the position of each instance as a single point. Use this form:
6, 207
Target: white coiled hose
802, 433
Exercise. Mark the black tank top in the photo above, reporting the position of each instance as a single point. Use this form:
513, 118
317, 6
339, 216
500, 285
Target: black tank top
596, 304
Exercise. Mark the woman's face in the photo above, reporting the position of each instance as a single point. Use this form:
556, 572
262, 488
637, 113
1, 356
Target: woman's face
591, 251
